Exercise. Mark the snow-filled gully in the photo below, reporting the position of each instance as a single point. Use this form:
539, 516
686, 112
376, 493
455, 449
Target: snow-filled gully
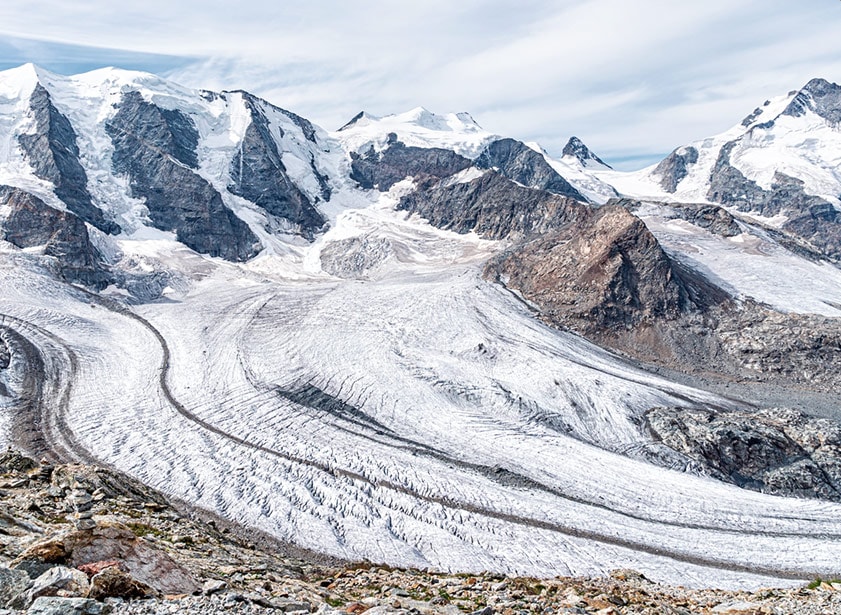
422, 419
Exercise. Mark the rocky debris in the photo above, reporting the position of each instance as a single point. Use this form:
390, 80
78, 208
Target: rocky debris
262, 580
82, 505
492, 206
381, 170
604, 272
53, 153
712, 218
675, 167
110, 540
31, 222
156, 149
112, 582
12, 584
57, 581
575, 148
68, 606
778, 451
259, 175
355, 257
520, 163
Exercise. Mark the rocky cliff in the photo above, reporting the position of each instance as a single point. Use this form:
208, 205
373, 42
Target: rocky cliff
156, 149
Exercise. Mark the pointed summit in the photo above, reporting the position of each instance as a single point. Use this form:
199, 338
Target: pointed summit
575, 148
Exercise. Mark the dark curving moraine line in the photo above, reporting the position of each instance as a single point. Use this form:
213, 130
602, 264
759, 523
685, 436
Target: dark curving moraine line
453, 504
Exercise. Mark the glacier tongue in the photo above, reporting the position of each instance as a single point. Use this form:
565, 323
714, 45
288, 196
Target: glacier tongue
423, 418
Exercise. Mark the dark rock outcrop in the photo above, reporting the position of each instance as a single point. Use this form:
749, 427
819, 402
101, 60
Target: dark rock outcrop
774, 451
54, 155
156, 149
820, 97
606, 271
575, 148
675, 167
259, 175
713, 218
31, 222
520, 163
810, 217
381, 170
493, 206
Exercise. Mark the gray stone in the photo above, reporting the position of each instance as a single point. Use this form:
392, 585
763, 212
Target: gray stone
68, 606
675, 167
576, 149
520, 163
381, 170
31, 222
213, 586
156, 149
782, 452
493, 206
12, 583
259, 175
54, 156
58, 578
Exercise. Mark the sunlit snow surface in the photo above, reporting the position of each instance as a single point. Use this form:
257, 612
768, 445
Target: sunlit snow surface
450, 428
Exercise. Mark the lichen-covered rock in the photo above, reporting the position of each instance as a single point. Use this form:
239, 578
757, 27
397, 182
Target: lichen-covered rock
12, 583
112, 582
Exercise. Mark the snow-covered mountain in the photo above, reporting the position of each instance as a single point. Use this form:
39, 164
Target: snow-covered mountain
781, 165
364, 342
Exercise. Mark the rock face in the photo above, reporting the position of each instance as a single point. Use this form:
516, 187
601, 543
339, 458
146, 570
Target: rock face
605, 271
259, 175
576, 149
775, 451
520, 163
156, 149
819, 96
492, 206
810, 217
381, 170
31, 222
54, 156
675, 167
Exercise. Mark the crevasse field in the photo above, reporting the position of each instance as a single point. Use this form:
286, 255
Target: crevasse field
421, 416
370, 395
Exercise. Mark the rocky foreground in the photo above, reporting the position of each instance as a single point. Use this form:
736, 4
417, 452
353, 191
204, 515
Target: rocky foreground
77, 540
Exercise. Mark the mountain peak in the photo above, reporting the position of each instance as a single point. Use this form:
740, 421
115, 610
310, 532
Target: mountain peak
819, 96
575, 148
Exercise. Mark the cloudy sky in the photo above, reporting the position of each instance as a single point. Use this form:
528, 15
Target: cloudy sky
633, 79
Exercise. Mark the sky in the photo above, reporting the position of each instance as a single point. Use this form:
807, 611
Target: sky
633, 80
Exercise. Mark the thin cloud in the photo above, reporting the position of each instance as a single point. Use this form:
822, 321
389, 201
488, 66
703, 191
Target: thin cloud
633, 80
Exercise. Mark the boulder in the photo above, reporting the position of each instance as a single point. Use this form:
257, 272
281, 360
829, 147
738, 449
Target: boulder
12, 583
68, 606
114, 583
57, 581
